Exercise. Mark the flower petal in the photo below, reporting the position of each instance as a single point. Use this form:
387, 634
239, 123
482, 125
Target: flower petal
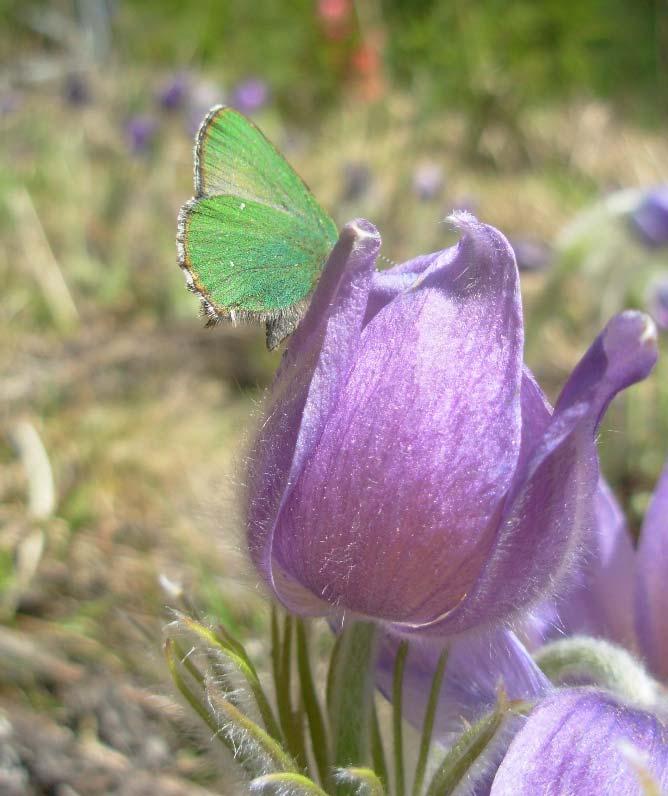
388, 284
652, 577
394, 511
313, 370
550, 508
601, 601
536, 414
478, 665
575, 741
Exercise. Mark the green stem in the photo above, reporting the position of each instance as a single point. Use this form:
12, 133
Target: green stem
365, 779
281, 657
250, 745
581, 658
378, 750
428, 725
290, 783
353, 694
397, 718
462, 756
235, 654
316, 722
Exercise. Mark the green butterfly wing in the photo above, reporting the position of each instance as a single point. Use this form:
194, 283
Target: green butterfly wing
253, 240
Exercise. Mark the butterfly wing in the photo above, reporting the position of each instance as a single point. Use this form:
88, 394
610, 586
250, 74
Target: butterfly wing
253, 240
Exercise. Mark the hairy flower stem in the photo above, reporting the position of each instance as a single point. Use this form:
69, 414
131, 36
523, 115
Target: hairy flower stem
595, 661
352, 696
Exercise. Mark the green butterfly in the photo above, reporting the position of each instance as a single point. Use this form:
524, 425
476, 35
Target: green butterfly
253, 240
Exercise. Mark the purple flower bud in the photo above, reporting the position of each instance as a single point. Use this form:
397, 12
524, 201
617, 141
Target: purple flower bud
250, 95
428, 180
140, 132
657, 303
650, 218
531, 255
172, 95
409, 467
76, 90
584, 741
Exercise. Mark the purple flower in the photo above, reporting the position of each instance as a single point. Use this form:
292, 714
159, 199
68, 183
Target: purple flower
650, 218
586, 742
173, 93
140, 131
477, 666
657, 302
531, 255
409, 468
620, 593
651, 579
250, 95
599, 597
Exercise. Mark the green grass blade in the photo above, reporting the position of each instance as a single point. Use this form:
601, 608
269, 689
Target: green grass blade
174, 661
291, 722
462, 756
397, 718
288, 783
333, 657
428, 724
378, 750
319, 740
365, 780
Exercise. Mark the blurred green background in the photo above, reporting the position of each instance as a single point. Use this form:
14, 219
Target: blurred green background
124, 422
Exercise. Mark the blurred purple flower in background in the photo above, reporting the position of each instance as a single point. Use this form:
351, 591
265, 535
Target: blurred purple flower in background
531, 255
173, 93
357, 178
76, 90
140, 132
428, 180
409, 468
585, 742
657, 302
650, 218
250, 95
202, 98
9, 102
